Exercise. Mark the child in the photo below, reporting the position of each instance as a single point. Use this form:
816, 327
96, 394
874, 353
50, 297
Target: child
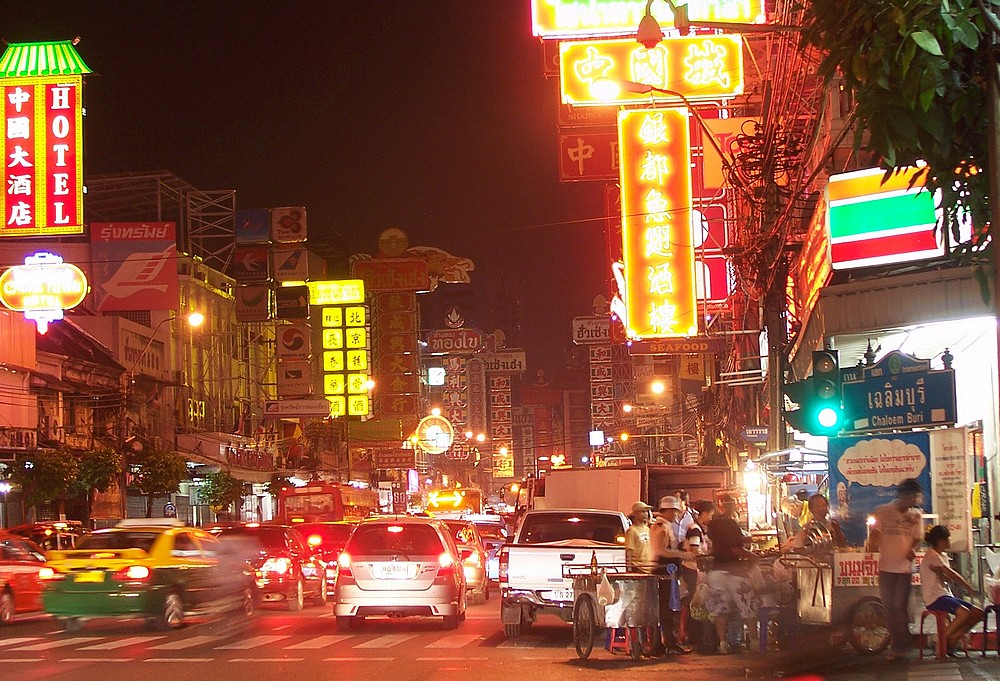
934, 573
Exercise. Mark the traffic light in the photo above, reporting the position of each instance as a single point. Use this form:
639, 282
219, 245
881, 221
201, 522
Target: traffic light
820, 409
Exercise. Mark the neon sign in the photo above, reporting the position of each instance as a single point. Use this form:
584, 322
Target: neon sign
591, 18
42, 128
659, 275
699, 68
42, 288
336, 292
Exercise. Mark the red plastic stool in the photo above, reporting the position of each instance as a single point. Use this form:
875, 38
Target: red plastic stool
625, 640
941, 619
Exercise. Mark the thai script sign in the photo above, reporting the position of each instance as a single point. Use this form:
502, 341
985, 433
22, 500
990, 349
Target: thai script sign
861, 569
42, 288
692, 68
657, 240
584, 18
134, 265
587, 330
459, 341
393, 274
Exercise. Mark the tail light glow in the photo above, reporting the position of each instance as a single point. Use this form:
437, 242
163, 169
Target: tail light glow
279, 566
133, 573
344, 565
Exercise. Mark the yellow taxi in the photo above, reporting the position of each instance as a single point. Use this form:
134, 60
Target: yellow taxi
158, 570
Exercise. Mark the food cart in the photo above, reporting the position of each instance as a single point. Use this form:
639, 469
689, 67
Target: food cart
612, 596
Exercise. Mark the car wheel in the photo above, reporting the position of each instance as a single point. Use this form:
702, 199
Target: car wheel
320, 598
172, 615
247, 607
450, 621
72, 625
298, 599
6, 608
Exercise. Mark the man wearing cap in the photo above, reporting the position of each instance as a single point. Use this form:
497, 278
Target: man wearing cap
667, 550
638, 551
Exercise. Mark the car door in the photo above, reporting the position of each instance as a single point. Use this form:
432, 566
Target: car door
191, 568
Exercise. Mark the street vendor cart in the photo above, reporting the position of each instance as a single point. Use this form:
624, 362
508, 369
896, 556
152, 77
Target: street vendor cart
615, 597
838, 589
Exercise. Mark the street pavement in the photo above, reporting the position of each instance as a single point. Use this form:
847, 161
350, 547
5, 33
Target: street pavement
307, 645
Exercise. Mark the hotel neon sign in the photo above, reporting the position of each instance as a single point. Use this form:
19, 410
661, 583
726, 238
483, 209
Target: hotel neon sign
42, 288
656, 194
700, 68
591, 18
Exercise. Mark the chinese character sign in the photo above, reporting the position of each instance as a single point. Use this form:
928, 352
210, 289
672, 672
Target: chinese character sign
345, 338
655, 148
698, 68
43, 156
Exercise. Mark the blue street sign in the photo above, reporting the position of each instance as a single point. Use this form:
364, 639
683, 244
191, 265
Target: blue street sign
898, 393
754, 434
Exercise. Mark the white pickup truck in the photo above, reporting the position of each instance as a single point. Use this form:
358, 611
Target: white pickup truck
531, 567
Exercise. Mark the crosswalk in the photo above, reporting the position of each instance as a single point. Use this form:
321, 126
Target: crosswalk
161, 647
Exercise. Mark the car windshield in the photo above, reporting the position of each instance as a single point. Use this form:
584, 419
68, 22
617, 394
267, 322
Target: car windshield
117, 541
550, 527
330, 534
403, 538
260, 537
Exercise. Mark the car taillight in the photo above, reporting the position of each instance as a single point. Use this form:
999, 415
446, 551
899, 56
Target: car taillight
446, 565
344, 565
504, 558
278, 566
133, 573
47, 574
473, 559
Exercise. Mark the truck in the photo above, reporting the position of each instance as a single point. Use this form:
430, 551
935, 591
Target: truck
616, 489
531, 566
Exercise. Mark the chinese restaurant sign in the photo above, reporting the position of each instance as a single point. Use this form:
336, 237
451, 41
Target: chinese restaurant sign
699, 68
587, 18
875, 223
658, 253
42, 288
345, 336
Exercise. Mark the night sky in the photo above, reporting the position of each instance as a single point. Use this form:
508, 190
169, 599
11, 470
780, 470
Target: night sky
432, 116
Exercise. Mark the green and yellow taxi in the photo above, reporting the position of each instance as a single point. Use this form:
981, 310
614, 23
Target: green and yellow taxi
161, 571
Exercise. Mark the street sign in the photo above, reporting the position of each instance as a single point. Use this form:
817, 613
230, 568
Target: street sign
509, 361
676, 346
588, 330
899, 392
754, 434
296, 408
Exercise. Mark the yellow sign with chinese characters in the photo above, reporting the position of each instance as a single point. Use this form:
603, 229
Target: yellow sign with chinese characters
346, 358
336, 292
654, 147
699, 68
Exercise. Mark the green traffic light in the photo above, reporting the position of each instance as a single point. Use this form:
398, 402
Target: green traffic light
827, 417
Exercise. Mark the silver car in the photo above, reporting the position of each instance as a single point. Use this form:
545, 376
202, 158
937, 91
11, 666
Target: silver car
400, 566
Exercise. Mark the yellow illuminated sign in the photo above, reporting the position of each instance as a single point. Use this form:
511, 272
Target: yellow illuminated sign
333, 316
355, 316
357, 360
654, 147
357, 383
358, 405
698, 67
333, 360
356, 338
346, 356
333, 339
581, 19
334, 384
338, 406
336, 292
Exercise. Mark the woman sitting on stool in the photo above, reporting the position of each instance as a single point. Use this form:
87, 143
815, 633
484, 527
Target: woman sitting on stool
935, 572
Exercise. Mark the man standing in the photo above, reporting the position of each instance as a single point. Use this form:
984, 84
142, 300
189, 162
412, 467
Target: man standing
895, 536
667, 550
638, 551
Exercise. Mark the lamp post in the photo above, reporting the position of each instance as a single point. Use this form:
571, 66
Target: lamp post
194, 320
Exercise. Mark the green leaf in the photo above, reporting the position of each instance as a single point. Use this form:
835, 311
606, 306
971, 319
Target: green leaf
927, 42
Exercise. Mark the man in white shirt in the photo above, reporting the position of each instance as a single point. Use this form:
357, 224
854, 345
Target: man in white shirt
895, 536
668, 550
935, 573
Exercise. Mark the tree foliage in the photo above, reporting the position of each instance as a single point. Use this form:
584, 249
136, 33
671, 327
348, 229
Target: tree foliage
157, 473
46, 475
220, 490
918, 71
98, 470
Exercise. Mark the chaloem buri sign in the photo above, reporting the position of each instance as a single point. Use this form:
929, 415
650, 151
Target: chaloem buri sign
42, 288
42, 126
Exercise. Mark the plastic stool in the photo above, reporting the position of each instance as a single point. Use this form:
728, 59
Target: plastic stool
942, 619
624, 640
765, 616
995, 609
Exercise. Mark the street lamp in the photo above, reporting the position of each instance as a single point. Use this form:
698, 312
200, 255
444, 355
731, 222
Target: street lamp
649, 34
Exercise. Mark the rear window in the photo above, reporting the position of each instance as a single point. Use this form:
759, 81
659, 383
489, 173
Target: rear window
335, 535
492, 532
550, 527
385, 539
117, 541
264, 537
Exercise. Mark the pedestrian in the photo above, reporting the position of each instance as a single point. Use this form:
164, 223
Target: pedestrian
731, 596
638, 550
668, 551
895, 536
700, 636
688, 572
819, 510
935, 573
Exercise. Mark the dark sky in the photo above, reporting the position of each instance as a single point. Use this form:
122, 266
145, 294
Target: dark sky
432, 116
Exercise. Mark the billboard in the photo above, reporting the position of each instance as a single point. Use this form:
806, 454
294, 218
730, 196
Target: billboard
576, 19
42, 132
657, 238
135, 266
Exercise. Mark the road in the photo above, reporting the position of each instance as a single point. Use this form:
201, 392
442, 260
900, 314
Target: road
303, 646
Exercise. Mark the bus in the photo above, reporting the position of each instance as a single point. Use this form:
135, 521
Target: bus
325, 501
458, 500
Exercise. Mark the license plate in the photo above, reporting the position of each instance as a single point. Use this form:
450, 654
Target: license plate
93, 576
561, 595
394, 570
